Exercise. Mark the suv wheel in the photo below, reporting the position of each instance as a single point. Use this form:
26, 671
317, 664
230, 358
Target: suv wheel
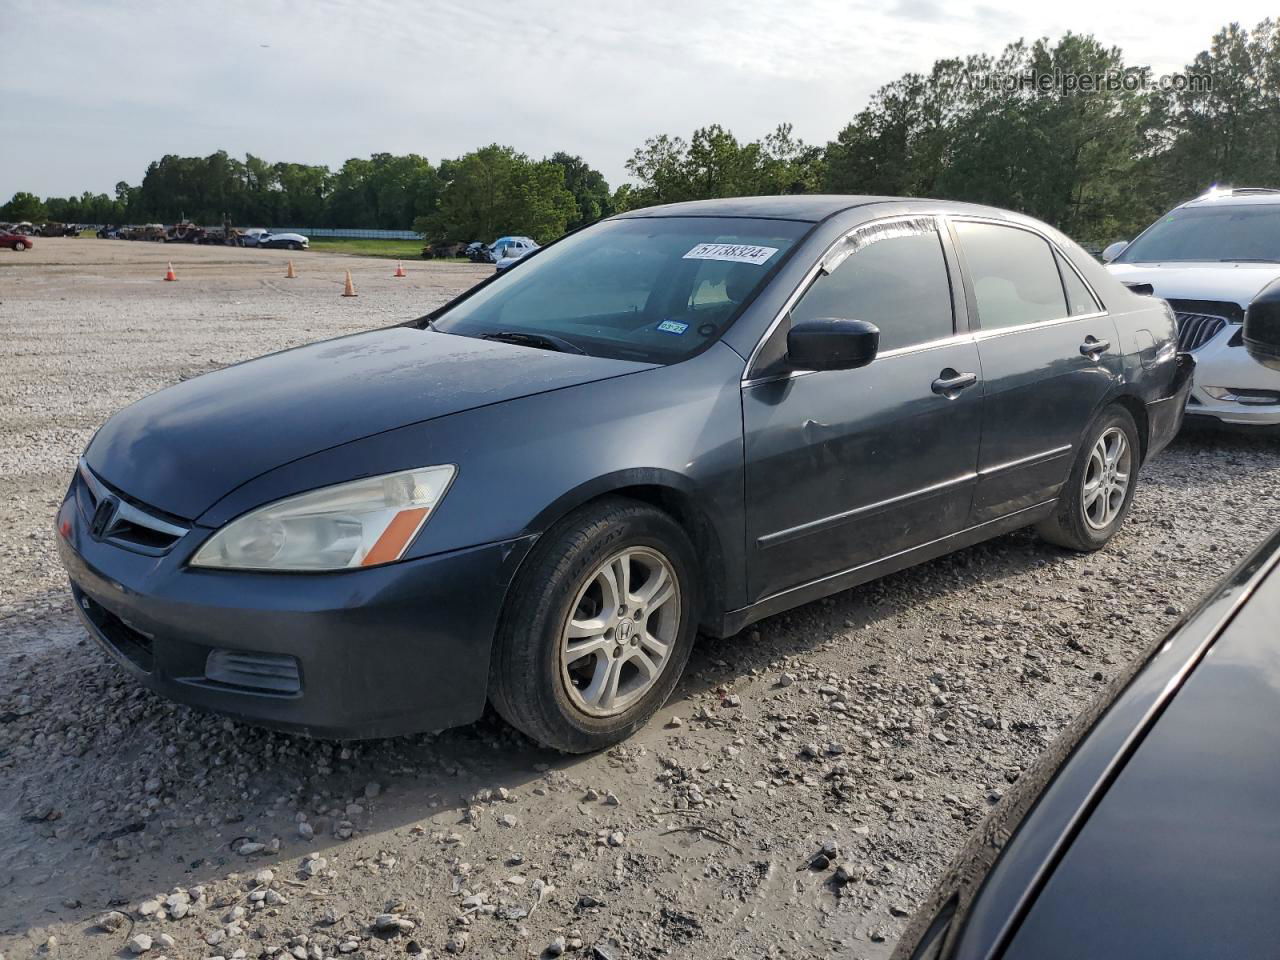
1097, 495
598, 627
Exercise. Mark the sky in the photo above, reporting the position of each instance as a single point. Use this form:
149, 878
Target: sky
94, 90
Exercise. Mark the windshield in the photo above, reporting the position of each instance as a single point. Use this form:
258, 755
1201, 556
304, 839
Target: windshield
654, 289
1225, 233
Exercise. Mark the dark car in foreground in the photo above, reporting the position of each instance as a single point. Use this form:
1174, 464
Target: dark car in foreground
1149, 829
682, 418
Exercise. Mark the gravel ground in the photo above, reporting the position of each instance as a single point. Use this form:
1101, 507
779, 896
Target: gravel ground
880, 724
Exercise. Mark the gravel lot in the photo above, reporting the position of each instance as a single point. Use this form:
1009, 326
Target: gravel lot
885, 720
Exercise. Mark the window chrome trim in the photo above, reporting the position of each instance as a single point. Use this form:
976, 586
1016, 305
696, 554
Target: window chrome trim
807, 281
954, 340
981, 334
815, 526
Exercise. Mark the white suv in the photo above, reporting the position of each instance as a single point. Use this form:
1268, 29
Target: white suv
1210, 258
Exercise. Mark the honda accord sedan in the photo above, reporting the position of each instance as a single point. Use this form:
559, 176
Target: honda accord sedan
680, 419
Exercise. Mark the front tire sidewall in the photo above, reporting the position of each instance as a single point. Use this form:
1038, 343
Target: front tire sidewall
532, 694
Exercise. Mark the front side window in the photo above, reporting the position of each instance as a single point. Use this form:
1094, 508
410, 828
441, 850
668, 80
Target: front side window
893, 275
653, 289
1015, 279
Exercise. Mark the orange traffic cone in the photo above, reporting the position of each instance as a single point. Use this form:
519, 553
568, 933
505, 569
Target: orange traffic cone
289, 274
349, 290
399, 270
169, 274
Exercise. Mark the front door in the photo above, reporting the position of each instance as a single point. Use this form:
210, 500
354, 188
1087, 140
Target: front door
1050, 357
846, 467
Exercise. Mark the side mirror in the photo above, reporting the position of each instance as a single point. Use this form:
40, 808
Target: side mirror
1114, 250
1262, 327
830, 343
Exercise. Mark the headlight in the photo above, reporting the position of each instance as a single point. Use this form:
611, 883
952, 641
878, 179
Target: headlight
359, 524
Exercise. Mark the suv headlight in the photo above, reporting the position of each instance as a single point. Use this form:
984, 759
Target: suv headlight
363, 523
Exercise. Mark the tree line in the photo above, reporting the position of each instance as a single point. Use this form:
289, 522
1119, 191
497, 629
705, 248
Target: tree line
1098, 164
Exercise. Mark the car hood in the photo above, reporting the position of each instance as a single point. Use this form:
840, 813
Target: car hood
182, 449
1233, 282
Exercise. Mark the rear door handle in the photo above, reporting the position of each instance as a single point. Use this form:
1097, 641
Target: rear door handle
950, 383
1093, 348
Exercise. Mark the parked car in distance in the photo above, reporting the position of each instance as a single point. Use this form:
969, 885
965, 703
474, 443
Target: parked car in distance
1211, 257
442, 249
682, 418
109, 232
1148, 828
512, 252
283, 241
474, 251
184, 231
15, 241
250, 236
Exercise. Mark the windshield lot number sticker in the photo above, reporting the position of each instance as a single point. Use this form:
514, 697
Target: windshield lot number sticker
733, 252
673, 326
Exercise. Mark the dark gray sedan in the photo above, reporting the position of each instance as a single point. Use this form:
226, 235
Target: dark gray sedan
683, 418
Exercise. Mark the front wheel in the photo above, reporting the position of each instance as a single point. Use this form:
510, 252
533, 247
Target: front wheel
19, 246
1097, 495
598, 627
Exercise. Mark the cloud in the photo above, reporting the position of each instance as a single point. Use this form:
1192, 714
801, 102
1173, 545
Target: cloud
122, 84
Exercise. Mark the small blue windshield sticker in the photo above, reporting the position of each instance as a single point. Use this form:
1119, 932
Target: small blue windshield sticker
672, 326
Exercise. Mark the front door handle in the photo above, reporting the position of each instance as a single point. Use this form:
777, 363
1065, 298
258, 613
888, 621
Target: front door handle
950, 383
1094, 348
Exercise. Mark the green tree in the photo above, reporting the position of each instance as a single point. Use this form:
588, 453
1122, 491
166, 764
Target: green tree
589, 188
24, 206
494, 191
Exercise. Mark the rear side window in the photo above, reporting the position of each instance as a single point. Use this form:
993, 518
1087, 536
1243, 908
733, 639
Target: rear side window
896, 278
1015, 279
1079, 300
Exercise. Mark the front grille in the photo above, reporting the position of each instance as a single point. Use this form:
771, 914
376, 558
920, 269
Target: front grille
125, 524
1197, 329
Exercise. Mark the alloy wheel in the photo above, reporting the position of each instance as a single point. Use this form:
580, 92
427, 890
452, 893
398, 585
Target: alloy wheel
618, 638
1106, 478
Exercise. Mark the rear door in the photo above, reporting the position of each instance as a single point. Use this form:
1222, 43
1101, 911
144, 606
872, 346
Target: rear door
845, 467
1050, 358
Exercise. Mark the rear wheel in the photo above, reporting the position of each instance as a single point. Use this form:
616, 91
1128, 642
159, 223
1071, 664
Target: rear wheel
598, 627
1097, 495
19, 246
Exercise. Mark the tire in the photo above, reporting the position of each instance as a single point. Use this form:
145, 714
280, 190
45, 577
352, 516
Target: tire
295, 246
1083, 522
19, 246
569, 703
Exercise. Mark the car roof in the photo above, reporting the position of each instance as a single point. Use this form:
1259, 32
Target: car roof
1234, 197
806, 207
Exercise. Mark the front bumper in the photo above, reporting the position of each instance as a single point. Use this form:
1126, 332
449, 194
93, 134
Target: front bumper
380, 652
1164, 416
1225, 364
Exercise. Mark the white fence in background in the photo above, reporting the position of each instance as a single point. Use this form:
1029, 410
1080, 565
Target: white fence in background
341, 232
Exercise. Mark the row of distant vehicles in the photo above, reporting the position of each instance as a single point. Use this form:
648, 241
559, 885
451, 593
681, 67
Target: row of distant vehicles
187, 232
502, 253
